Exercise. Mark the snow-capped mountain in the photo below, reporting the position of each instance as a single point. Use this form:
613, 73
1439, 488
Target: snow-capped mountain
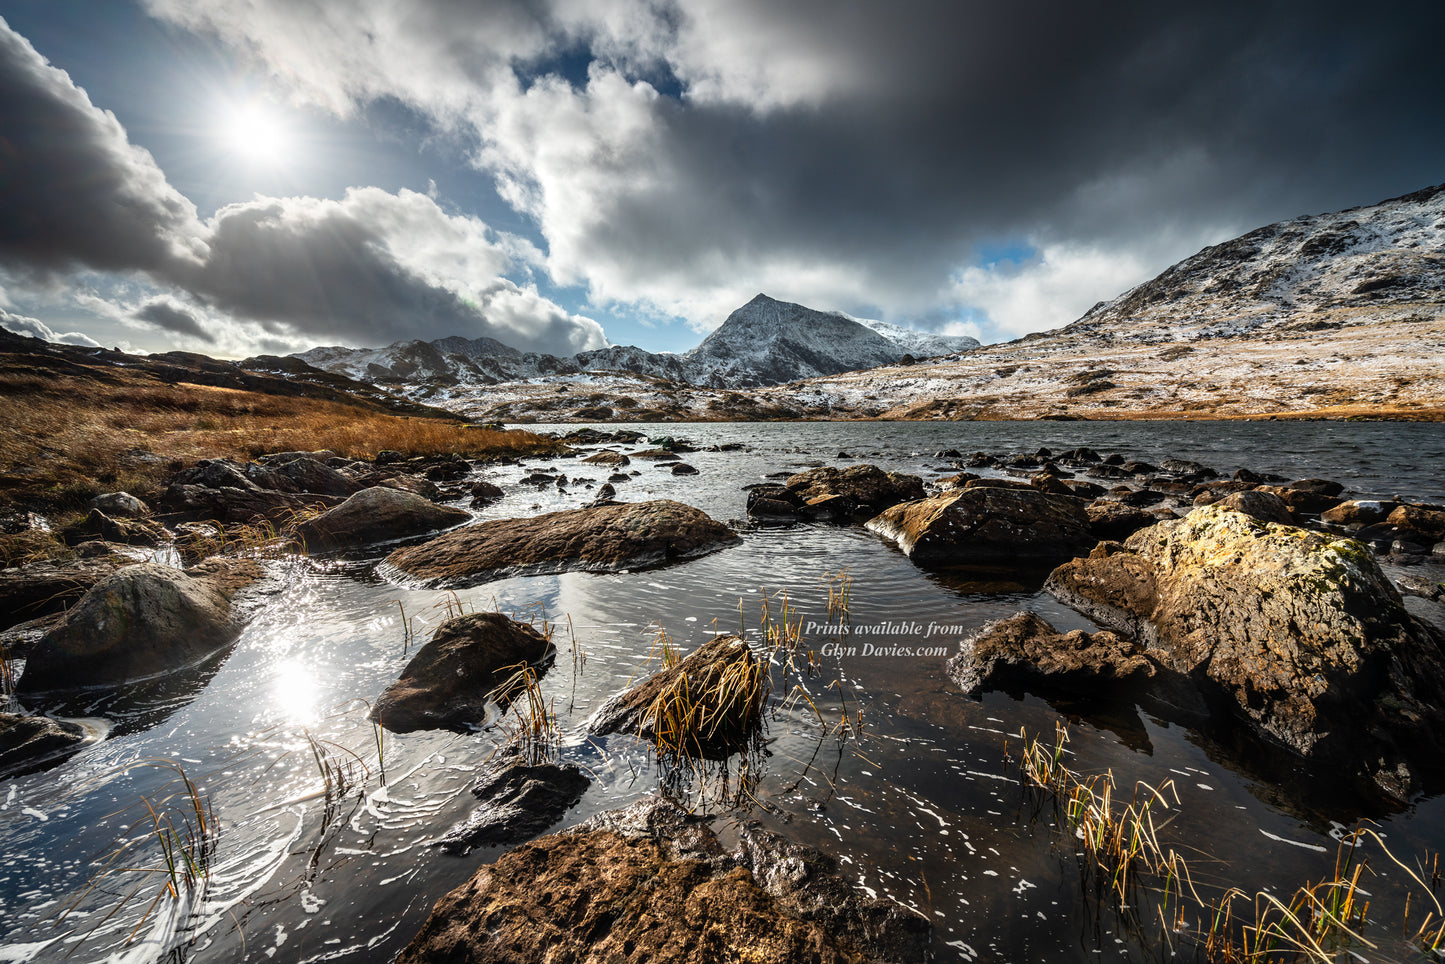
765, 342
921, 344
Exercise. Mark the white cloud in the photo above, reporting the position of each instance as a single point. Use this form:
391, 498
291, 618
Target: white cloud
35, 328
1051, 291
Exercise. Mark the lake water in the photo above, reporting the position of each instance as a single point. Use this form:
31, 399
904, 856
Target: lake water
919, 799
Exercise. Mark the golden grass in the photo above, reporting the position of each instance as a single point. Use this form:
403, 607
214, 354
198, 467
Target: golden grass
65, 438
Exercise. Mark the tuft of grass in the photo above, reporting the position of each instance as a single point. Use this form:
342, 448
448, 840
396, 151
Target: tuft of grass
695, 716
1121, 857
184, 831
531, 725
840, 592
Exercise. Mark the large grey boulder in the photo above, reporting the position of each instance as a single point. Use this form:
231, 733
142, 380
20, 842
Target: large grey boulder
144, 620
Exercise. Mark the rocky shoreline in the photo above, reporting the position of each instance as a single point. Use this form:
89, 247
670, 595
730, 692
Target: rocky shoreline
1251, 604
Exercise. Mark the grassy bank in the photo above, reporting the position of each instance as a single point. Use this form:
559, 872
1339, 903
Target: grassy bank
65, 438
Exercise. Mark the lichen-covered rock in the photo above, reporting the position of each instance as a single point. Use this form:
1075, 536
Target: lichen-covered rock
518, 800
651, 883
451, 679
710, 704
1300, 630
602, 538
144, 620
377, 514
987, 526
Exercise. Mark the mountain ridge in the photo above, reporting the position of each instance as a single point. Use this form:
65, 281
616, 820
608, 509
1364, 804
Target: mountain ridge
765, 342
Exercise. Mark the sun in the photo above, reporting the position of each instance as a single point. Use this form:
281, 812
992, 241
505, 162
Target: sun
256, 134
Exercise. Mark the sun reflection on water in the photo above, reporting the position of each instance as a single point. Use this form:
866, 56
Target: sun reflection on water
295, 691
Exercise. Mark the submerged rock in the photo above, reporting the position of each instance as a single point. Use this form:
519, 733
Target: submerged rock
987, 526
518, 801
710, 704
602, 538
651, 883
451, 679
1301, 631
144, 620
30, 743
1024, 651
377, 514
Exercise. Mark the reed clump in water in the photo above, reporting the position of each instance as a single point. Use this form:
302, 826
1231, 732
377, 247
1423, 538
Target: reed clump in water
1121, 856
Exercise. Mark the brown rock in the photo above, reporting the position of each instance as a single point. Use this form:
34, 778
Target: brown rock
122, 531
593, 539
1300, 631
608, 457
144, 620
721, 687
1110, 519
987, 526
1264, 506
870, 488
1358, 512
1302, 500
651, 884
377, 515
1418, 523
464, 666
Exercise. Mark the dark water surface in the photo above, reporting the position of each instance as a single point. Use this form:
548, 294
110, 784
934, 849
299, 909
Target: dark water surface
921, 804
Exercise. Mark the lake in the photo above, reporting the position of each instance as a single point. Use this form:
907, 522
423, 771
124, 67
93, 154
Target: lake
918, 795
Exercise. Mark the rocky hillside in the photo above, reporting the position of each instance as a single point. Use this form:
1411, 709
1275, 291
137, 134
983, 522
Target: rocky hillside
765, 342
1333, 314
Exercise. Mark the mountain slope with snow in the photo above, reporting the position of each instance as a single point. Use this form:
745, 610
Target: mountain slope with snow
1340, 313
765, 342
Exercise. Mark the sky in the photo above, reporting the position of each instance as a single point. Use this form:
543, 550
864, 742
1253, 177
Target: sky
268, 176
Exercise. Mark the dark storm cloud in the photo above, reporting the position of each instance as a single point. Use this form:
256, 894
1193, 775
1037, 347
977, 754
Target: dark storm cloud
863, 153
169, 315
73, 190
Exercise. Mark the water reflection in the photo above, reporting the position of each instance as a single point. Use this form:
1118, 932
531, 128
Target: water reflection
919, 799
